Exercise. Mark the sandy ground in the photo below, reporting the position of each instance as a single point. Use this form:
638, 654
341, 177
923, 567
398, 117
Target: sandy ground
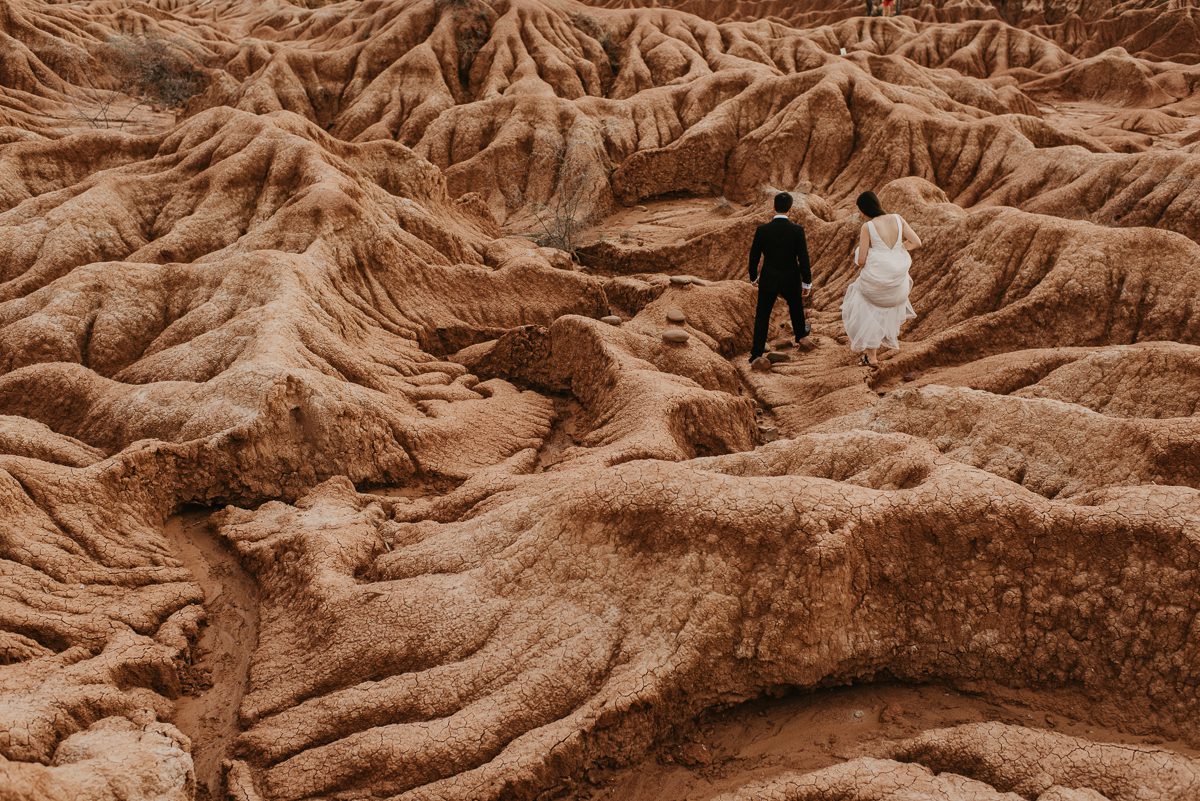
209, 715
807, 731
657, 222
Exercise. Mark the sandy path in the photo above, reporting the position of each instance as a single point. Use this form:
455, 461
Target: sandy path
209, 716
808, 731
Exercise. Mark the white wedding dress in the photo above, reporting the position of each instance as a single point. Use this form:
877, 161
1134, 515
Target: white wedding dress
876, 304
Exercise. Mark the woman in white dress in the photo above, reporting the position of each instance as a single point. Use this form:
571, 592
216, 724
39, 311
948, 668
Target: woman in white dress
876, 304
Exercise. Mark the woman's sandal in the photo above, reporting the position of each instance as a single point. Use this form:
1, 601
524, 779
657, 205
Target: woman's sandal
868, 363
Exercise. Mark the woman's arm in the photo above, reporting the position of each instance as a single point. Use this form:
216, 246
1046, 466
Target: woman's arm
911, 240
864, 244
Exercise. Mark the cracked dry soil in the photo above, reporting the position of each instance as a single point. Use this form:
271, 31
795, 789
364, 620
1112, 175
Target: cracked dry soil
322, 477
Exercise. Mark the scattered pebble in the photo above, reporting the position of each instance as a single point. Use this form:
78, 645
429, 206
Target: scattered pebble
775, 357
611, 319
675, 336
681, 280
761, 364
858, 713
911, 376
675, 315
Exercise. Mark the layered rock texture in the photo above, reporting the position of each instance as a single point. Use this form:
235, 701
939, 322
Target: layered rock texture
376, 422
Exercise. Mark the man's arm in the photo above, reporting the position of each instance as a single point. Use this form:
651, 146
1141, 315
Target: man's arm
755, 254
802, 258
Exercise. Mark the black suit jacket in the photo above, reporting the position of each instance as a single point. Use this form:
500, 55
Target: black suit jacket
781, 246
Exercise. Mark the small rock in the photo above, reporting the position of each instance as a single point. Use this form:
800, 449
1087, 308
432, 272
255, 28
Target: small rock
611, 319
768, 433
891, 713
695, 755
911, 376
1050, 721
761, 364
785, 344
641, 208
681, 280
775, 357
676, 336
676, 316
806, 344
858, 714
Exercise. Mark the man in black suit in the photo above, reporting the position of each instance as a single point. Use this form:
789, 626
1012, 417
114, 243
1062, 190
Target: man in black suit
783, 250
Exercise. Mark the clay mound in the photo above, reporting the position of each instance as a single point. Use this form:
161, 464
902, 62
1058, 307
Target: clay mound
495, 520
596, 687
1115, 78
1143, 27
982, 49
1083, 27
231, 317
125, 66
1148, 122
493, 93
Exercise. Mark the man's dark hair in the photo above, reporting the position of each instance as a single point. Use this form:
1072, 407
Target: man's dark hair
783, 203
869, 205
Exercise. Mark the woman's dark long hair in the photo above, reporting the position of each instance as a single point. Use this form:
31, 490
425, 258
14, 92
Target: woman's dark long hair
868, 204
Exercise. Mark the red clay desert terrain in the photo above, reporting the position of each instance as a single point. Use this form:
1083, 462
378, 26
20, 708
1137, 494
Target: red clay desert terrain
328, 472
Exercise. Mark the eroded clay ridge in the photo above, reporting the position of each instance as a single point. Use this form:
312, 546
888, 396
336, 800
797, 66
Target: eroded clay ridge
495, 541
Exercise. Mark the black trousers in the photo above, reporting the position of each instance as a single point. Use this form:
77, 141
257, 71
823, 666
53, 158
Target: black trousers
770, 288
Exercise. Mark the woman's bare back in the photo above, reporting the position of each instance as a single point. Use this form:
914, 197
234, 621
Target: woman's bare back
888, 229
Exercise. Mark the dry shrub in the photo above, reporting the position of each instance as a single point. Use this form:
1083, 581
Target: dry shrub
148, 70
472, 30
559, 220
591, 27
153, 69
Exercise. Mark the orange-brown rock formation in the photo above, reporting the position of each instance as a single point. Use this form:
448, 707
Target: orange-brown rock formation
343, 455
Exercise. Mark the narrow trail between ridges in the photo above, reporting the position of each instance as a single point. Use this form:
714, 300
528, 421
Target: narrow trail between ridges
209, 714
563, 431
726, 748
